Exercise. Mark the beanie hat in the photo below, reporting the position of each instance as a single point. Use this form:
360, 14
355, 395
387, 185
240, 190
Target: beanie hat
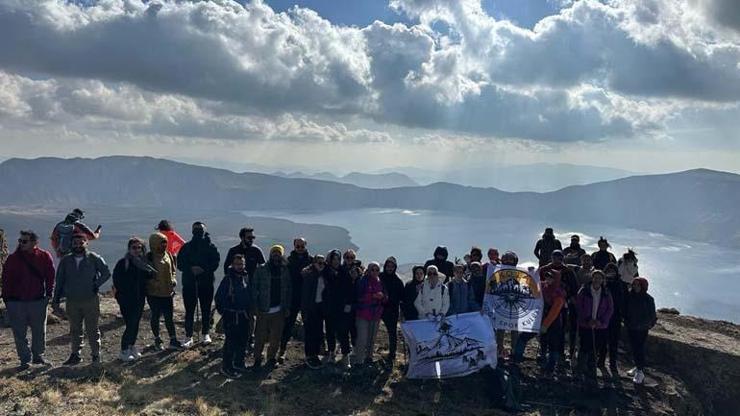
277, 247
642, 282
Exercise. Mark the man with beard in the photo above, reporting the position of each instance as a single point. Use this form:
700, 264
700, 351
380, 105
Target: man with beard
198, 260
574, 251
79, 277
298, 260
393, 286
271, 297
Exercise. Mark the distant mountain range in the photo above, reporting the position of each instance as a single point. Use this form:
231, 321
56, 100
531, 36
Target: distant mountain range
537, 177
700, 205
364, 180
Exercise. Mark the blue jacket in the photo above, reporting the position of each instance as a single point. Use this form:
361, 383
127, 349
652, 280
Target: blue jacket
234, 294
462, 298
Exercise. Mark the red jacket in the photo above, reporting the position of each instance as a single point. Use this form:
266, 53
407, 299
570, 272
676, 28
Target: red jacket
28, 276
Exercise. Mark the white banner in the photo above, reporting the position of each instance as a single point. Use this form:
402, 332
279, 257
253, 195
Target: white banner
513, 299
452, 346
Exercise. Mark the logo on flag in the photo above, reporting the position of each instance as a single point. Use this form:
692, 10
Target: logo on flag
513, 300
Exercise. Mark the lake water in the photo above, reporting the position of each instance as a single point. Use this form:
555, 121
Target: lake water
696, 278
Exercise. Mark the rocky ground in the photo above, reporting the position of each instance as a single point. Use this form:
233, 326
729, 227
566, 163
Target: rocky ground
696, 371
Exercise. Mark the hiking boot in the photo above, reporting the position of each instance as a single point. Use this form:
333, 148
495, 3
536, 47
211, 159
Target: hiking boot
126, 356
39, 360
207, 339
175, 344
158, 344
639, 377
230, 373
73, 359
313, 363
186, 344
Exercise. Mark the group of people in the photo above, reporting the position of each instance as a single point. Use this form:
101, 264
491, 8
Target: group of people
340, 300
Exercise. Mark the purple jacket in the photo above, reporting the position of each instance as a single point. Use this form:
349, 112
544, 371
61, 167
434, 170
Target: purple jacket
584, 306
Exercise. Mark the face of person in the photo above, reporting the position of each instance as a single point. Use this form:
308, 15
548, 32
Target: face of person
433, 275
25, 243
603, 246
476, 257
493, 255
373, 270
557, 260
586, 262
136, 249
574, 242
319, 263
163, 246
275, 257
389, 267
79, 245
419, 275
299, 246
476, 270
349, 257
458, 272
248, 238
596, 280
199, 230
636, 288
239, 265
335, 261
611, 274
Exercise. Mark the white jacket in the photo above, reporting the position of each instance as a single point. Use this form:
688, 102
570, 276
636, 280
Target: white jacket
627, 271
432, 301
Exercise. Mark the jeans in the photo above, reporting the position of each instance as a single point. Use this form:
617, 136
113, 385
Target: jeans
236, 330
162, 306
131, 310
366, 332
391, 325
637, 342
592, 340
313, 324
288, 327
611, 345
24, 314
340, 323
196, 292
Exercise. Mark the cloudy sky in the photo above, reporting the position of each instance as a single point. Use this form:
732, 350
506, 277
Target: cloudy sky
643, 85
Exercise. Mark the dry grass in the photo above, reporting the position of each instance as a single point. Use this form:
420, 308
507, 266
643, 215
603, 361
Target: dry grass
202, 408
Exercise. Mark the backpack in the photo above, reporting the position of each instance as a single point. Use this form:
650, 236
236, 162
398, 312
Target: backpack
64, 232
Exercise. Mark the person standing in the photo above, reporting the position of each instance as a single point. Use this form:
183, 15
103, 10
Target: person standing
27, 286
627, 267
271, 297
370, 300
595, 308
3, 257
298, 260
639, 318
393, 286
198, 260
339, 299
545, 246
462, 298
233, 302
130, 277
64, 231
571, 286
410, 292
79, 277
494, 260
434, 298
477, 284
574, 251
614, 330
313, 310
160, 290
440, 261
174, 240
246, 247
602, 257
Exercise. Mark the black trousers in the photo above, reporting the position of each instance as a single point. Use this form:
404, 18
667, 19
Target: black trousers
613, 332
194, 292
637, 342
340, 324
391, 325
313, 325
236, 330
162, 306
289, 327
131, 310
592, 341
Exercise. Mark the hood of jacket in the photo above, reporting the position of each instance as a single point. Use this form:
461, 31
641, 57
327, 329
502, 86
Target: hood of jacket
392, 260
642, 282
441, 251
155, 242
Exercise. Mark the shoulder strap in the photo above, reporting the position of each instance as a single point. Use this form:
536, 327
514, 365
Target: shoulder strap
31, 267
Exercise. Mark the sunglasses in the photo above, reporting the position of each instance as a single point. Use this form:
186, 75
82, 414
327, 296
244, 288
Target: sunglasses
300, 247
22, 241
137, 247
249, 238
320, 263
433, 274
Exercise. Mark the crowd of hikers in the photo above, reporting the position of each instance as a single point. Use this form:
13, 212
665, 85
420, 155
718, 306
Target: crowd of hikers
587, 298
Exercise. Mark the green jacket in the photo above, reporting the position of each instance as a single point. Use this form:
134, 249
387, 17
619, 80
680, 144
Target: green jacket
262, 285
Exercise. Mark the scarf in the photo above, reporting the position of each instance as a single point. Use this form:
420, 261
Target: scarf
140, 263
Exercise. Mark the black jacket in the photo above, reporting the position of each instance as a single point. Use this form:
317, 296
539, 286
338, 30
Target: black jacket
544, 248
253, 256
573, 254
639, 311
198, 252
296, 263
340, 291
601, 258
444, 266
130, 283
478, 284
394, 288
308, 290
410, 291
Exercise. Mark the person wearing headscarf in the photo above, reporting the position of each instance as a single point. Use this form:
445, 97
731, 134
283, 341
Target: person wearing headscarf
371, 297
410, 292
393, 286
339, 300
639, 317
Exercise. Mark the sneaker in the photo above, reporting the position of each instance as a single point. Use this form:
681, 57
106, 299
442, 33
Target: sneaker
345, 361
632, 371
313, 363
230, 374
639, 377
176, 345
73, 359
41, 361
158, 344
126, 356
186, 344
135, 352
281, 357
207, 339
